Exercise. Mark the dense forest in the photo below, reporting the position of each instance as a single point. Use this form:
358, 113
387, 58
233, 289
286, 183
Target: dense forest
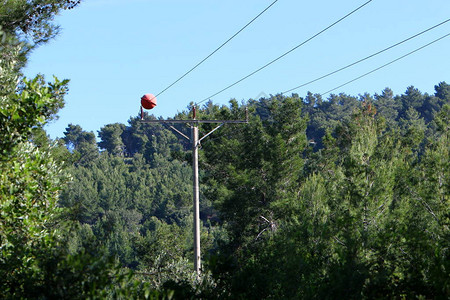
338, 198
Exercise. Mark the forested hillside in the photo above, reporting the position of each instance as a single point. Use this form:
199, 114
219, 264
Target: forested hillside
338, 198
312, 195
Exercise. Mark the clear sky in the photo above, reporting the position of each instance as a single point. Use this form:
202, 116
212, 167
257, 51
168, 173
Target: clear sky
114, 51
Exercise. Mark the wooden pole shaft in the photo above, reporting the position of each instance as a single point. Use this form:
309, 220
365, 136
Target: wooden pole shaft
196, 192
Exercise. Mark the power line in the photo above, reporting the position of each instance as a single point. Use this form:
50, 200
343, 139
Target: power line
220, 47
367, 57
286, 53
391, 62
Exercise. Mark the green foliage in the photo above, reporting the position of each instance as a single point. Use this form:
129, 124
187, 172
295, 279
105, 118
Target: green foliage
32, 107
370, 221
36, 261
30, 21
30, 178
28, 209
120, 201
327, 114
9, 51
111, 140
361, 211
255, 168
387, 107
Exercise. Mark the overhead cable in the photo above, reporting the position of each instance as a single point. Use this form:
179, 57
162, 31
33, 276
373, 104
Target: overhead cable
220, 47
385, 65
367, 57
286, 53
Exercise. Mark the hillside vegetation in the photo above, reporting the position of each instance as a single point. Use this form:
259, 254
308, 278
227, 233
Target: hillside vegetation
338, 198
343, 197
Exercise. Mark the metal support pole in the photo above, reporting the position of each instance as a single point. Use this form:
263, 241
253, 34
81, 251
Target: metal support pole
194, 141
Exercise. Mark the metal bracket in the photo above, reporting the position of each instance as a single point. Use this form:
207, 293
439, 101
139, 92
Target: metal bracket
210, 132
179, 132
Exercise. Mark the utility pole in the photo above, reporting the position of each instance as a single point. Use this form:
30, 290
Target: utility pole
196, 194
195, 143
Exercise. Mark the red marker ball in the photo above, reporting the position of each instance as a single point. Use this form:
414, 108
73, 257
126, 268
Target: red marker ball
148, 101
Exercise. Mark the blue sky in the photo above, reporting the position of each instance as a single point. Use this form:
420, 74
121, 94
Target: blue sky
114, 51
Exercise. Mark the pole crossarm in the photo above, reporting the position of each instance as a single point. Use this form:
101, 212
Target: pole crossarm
196, 121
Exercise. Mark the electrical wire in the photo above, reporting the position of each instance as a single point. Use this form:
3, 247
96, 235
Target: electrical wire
366, 58
385, 65
220, 47
286, 53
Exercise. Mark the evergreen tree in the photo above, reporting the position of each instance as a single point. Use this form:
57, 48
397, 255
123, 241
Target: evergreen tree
254, 168
111, 138
387, 107
442, 91
82, 144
